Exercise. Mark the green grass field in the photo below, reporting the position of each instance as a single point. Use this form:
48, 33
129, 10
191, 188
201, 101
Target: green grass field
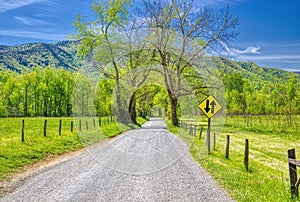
268, 177
14, 154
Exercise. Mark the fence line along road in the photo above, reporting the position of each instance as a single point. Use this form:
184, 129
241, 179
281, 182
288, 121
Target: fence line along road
147, 164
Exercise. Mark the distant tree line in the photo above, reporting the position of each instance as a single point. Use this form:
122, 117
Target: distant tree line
48, 92
246, 97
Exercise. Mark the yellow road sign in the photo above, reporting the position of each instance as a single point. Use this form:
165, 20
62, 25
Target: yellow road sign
210, 106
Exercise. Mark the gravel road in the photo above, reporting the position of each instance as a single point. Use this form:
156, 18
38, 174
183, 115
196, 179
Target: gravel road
147, 164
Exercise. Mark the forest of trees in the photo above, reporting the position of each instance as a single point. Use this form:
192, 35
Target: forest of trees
246, 97
50, 92
43, 92
169, 45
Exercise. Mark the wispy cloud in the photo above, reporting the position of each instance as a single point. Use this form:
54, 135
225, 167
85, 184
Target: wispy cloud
31, 21
229, 1
234, 52
34, 35
248, 50
274, 54
216, 2
43, 15
6, 5
292, 69
282, 58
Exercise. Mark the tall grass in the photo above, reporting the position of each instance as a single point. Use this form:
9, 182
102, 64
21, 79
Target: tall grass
15, 154
275, 125
268, 177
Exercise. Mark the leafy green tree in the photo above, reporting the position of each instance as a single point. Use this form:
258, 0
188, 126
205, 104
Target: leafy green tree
104, 97
180, 44
27, 84
292, 94
145, 99
111, 17
83, 96
235, 95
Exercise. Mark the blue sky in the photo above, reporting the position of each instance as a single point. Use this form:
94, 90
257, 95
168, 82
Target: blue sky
269, 29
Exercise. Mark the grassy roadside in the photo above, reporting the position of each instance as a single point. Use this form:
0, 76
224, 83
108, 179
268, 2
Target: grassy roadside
267, 179
15, 154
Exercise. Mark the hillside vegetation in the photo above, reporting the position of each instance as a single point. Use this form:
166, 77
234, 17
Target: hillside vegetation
37, 79
25, 57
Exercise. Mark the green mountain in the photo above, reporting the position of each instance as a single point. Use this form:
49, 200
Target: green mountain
22, 58
253, 72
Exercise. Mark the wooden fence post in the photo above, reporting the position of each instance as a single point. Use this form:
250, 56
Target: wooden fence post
71, 126
293, 173
227, 146
79, 124
195, 130
200, 133
100, 121
94, 122
191, 129
45, 128
246, 156
60, 124
23, 130
87, 125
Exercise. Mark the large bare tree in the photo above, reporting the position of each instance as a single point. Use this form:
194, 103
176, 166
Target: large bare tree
182, 32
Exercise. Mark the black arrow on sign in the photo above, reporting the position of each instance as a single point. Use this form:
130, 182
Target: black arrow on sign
207, 106
212, 106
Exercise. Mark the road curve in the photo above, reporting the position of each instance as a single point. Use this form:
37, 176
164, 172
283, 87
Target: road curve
147, 164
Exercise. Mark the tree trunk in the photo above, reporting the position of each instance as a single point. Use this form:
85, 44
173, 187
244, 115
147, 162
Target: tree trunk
35, 102
45, 106
82, 102
132, 109
173, 101
121, 116
26, 102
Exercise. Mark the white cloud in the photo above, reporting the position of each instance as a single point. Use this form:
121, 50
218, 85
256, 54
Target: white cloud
214, 2
248, 50
34, 35
233, 52
6, 5
282, 58
292, 69
31, 21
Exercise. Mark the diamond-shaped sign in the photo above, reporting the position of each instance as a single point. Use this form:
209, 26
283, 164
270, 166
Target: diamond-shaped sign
210, 106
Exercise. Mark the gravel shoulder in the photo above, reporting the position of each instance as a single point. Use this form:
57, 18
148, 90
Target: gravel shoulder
147, 164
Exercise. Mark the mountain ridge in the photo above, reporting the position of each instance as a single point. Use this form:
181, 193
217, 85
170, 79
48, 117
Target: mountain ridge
22, 58
63, 54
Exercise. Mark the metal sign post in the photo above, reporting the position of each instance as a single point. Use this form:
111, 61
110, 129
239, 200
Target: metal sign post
209, 106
